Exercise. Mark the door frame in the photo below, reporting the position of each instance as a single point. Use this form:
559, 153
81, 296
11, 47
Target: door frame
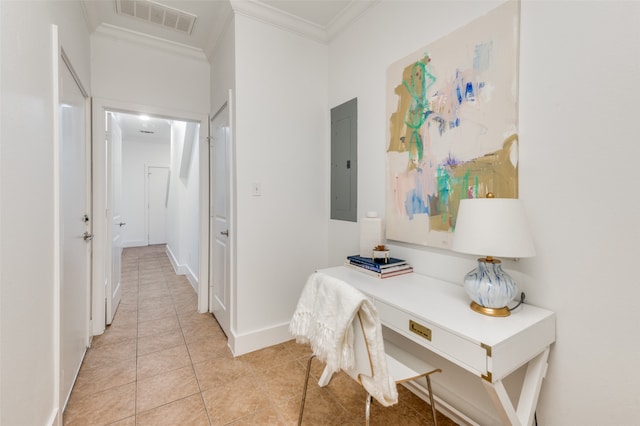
99, 266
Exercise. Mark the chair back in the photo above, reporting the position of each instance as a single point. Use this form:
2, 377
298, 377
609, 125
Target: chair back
362, 358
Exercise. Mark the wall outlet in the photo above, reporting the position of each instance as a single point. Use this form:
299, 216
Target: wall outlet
256, 189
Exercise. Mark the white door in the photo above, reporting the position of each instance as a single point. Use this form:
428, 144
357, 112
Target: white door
75, 230
219, 263
157, 196
113, 290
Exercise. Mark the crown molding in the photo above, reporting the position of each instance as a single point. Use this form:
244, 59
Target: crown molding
118, 33
348, 16
278, 18
263, 12
85, 15
219, 28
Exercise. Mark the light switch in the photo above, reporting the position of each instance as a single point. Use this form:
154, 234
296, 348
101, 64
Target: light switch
256, 189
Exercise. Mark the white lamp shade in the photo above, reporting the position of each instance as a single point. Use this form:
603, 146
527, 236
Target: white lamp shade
493, 227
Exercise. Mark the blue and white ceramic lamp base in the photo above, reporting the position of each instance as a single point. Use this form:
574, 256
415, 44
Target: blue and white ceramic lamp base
490, 288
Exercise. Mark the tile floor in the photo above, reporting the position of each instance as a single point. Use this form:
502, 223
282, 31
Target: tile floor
162, 363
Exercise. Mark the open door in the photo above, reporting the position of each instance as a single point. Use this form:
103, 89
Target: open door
219, 263
113, 290
75, 227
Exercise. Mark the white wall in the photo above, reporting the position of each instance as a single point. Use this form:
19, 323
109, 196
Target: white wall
578, 94
130, 72
190, 225
27, 359
182, 209
223, 67
136, 156
280, 134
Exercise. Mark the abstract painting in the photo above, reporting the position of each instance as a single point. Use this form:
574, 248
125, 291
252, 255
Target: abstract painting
452, 111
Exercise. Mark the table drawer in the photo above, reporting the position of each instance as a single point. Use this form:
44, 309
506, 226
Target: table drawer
466, 354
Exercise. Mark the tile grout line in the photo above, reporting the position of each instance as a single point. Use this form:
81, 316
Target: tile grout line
135, 401
184, 339
175, 312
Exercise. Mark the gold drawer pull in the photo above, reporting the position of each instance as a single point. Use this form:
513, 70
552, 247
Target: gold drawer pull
420, 330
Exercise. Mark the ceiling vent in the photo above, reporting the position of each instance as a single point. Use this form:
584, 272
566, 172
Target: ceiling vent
157, 13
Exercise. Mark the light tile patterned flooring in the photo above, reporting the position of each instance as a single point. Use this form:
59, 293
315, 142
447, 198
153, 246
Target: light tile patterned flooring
162, 363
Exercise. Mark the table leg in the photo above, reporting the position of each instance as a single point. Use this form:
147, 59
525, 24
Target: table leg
524, 414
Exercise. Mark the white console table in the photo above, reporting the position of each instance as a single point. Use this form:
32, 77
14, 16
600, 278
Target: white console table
436, 315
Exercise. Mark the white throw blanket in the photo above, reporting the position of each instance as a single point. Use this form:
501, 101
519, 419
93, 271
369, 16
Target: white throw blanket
324, 317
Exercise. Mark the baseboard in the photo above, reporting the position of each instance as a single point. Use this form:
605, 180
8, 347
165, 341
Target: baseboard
193, 279
442, 405
461, 410
134, 243
172, 258
182, 269
54, 419
249, 342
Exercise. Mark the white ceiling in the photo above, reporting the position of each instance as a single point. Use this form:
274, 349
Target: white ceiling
156, 130
317, 19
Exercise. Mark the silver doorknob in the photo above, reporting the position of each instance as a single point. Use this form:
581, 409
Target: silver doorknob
87, 236
225, 232
122, 223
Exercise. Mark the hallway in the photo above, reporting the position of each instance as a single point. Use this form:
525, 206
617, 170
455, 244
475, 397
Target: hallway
162, 363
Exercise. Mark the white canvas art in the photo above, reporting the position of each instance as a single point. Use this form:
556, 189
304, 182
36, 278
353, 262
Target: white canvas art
452, 112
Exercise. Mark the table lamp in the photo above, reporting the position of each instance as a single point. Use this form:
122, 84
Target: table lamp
492, 227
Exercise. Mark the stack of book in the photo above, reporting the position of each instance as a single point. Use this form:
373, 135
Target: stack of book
381, 268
